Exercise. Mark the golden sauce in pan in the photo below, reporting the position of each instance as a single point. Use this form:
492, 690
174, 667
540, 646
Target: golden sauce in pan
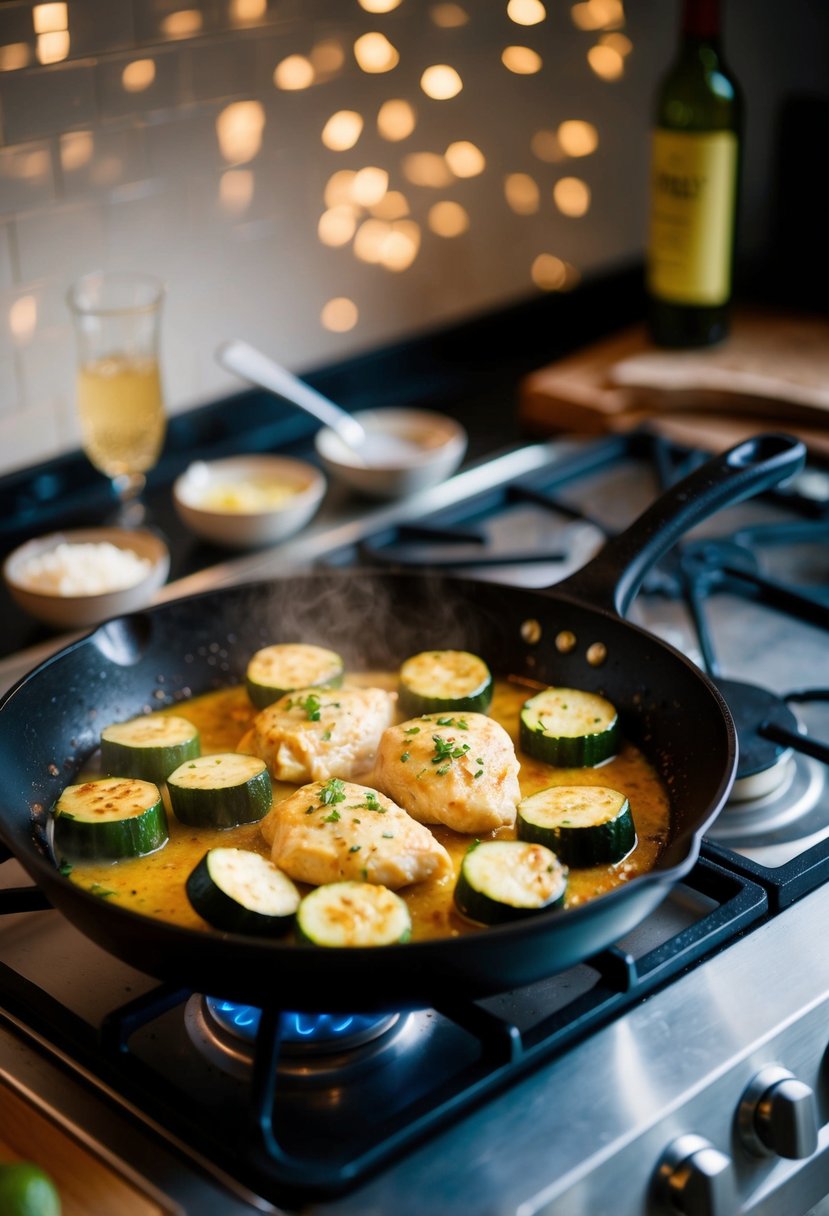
155, 885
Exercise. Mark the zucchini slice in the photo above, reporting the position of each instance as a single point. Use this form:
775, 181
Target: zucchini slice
586, 825
276, 670
503, 880
149, 747
220, 790
435, 681
353, 914
108, 819
242, 892
569, 728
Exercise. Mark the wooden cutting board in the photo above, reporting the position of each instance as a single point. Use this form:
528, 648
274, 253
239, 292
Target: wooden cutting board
772, 373
86, 1184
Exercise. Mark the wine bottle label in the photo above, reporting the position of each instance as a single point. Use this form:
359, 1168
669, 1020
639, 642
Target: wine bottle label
693, 195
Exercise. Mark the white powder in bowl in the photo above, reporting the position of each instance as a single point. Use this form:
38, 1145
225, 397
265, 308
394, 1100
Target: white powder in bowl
83, 569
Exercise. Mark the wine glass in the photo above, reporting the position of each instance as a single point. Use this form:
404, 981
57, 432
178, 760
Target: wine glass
119, 399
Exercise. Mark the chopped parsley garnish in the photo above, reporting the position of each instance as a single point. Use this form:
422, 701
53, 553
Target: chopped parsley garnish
311, 705
333, 791
372, 803
413, 730
65, 868
479, 773
326, 735
447, 749
405, 757
355, 848
388, 835
101, 892
333, 817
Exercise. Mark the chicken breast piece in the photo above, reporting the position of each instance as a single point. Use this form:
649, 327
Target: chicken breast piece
316, 733
458, 769
335, 830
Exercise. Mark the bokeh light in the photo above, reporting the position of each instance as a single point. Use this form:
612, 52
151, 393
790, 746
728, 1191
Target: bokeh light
342, 130
239, 128
522, 60
339, 315
465, 159
441, 82
294, 73
578, 138
572, 196
427, 169
526, 12
374, 53
606, 62
396, 119
138, 75
448, 219
337, 225
522, 193
449, 16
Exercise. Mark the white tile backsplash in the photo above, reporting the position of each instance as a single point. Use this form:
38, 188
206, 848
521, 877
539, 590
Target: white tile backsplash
60, 243
6, 255
94, 163
26, 177
31, 435
47, 101
10, 402
162, 143
47, 370
221, 69
140, 82
95, 27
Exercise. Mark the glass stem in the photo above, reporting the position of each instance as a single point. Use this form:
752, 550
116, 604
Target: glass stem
129, 485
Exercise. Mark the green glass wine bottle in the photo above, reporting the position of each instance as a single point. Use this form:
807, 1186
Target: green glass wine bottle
694, 184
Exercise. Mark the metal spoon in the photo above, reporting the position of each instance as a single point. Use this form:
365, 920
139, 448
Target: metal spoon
370, 448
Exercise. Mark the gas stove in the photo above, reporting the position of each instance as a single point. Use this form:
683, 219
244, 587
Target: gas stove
682, 1070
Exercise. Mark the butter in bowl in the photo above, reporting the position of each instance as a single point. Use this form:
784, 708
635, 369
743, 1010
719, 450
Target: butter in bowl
75, 579
246, 502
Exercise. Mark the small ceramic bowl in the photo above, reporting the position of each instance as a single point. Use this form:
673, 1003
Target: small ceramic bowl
439, 443
47, 576
243, 502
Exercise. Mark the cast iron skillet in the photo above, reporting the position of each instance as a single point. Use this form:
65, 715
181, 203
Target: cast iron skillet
50, 724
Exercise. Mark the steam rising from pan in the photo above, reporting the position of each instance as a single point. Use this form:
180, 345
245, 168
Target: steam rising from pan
365, 619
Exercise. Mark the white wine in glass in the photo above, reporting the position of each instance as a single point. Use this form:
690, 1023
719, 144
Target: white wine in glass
119, 398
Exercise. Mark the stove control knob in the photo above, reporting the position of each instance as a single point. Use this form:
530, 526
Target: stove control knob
777, 1114
695, 1179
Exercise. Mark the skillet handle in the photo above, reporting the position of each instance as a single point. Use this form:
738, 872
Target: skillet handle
615, 574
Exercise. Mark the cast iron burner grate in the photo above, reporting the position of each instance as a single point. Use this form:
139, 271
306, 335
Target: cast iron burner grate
289, 1140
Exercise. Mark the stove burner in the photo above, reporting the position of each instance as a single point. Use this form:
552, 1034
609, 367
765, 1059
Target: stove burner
303, 1032
764, 765
317, 1045
776, 808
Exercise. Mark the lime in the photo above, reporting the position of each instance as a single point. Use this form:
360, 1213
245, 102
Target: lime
25, 1190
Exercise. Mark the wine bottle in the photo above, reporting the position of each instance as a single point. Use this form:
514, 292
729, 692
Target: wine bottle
694, 179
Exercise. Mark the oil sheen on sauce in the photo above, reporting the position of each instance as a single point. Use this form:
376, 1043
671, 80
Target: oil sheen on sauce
155, 885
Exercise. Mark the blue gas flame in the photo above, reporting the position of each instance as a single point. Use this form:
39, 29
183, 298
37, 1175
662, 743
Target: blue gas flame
297, 1027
